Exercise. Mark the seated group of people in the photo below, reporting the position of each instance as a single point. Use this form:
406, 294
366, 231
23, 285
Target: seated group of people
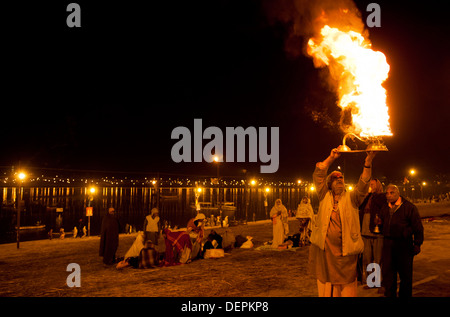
180, 247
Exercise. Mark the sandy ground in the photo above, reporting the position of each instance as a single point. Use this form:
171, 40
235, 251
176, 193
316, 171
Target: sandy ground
38, 269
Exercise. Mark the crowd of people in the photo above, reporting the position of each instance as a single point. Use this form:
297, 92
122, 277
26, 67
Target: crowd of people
151, 250
350, 231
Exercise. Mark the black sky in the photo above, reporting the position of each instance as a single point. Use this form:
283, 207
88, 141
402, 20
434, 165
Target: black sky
107, 96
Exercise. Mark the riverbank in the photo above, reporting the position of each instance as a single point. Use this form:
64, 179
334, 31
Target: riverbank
38, 269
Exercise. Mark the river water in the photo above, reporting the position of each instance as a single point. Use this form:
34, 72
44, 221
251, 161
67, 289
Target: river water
65, 207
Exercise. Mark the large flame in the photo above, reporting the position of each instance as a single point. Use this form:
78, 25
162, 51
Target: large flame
359, 72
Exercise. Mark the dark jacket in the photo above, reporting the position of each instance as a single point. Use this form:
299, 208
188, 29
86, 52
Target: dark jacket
405, 224
109, 238
377, 201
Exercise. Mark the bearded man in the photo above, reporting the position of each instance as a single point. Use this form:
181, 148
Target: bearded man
336, 237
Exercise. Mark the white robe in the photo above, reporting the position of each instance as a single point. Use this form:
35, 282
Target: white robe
278, 221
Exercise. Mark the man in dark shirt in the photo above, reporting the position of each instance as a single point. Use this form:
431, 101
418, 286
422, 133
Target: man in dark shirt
403, 235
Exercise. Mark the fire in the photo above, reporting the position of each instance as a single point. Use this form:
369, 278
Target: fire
359, 72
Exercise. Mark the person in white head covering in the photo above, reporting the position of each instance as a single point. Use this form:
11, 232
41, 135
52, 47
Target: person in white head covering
152, 227
279, 216
305, 215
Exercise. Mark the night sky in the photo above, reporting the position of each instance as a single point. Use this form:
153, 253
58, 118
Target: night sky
107, 96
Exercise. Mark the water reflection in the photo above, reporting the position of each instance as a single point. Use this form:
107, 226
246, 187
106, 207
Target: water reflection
65, 207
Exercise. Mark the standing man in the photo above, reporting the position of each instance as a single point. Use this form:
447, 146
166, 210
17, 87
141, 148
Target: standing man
109, 237
403, 236
336, 238
370, 219
152, 227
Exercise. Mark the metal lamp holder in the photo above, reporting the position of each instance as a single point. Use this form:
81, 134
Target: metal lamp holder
374, 144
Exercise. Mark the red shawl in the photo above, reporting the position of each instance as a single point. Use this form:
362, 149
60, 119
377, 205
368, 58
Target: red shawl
177, 240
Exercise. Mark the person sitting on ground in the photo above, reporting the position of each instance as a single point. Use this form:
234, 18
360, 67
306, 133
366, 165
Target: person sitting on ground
214, 241
148, 257
178, 247
131, 257
140, 255
195, 229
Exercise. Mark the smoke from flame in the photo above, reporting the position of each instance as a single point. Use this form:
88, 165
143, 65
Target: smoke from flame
334, 35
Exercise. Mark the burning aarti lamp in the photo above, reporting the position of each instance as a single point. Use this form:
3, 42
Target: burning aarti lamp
375, 144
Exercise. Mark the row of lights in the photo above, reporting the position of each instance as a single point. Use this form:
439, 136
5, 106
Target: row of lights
21, 176
254, 183
113, 181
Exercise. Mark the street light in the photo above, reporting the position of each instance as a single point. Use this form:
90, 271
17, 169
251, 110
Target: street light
21, 176
266, 204
412, 172
421, 189
92, 191
252, 183
198, 192
311, 196
89, 209
216, 159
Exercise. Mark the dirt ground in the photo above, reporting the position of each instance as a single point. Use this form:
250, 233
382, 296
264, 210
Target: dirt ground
38, 269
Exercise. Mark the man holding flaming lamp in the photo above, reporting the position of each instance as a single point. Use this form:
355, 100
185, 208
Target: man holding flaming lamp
336, 237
